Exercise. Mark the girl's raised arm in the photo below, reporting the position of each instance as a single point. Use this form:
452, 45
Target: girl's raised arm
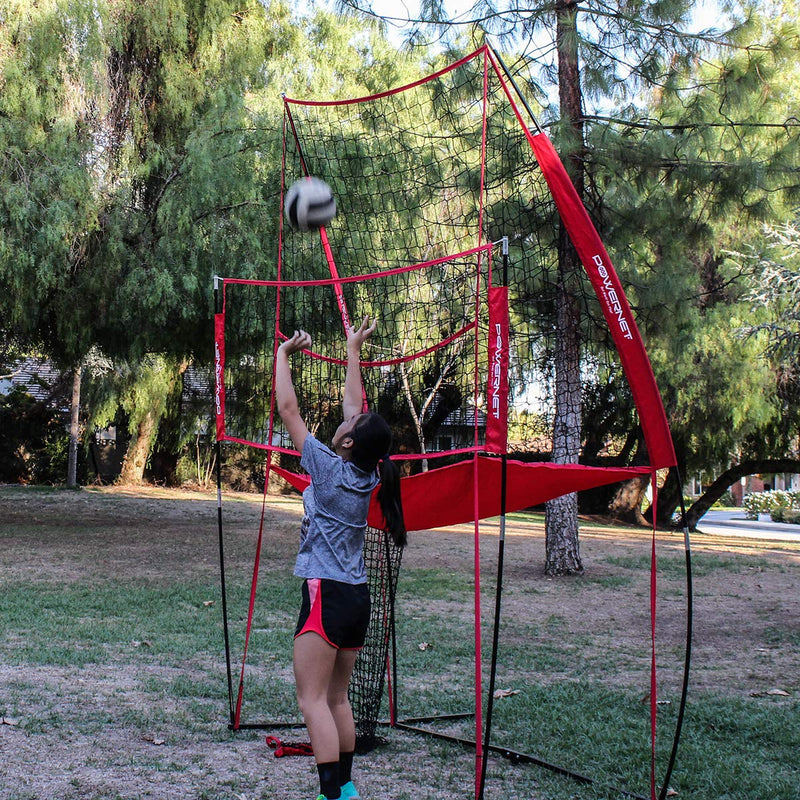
285, 395
353, 397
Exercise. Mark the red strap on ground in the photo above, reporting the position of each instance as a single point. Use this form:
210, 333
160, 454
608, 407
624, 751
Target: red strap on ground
281, 749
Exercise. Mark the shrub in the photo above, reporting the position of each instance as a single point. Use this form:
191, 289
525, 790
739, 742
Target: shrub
773, 502
33, 441
726, 501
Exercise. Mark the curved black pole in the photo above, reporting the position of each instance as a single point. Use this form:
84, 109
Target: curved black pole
688, 651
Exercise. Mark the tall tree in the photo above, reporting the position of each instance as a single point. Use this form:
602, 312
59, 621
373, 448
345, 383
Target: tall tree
129, 168
715, 156
573, 53
562, 546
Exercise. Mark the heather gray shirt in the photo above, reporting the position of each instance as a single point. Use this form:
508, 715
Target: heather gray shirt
335, 504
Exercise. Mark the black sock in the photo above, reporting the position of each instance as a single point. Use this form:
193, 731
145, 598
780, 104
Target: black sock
346, 767
329, 780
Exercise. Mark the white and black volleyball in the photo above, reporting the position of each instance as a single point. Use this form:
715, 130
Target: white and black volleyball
309, 204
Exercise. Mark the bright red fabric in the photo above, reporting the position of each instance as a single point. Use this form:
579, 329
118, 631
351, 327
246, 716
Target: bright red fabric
615, 305
497, 388
219, 374
444, 496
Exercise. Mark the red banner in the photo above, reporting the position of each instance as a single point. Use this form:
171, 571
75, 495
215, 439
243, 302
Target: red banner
219, 374
497, 385
615, 305
454, 486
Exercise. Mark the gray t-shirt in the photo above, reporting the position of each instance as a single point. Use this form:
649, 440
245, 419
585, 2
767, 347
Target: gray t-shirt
336, 505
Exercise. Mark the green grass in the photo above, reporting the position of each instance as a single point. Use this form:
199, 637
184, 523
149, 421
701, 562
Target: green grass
738, 748
147, 657
733, 748
76, 624
702, 564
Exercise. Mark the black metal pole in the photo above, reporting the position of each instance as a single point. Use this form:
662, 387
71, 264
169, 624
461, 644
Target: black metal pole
516, 89
517, 757
393, 693
498, 588
688, 651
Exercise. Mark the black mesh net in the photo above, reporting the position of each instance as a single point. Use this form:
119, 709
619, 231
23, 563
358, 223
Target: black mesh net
382, 558
426, 179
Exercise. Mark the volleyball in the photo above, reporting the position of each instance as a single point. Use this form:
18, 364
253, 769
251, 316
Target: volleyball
309, 204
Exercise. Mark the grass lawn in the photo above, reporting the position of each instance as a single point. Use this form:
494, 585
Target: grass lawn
113, 680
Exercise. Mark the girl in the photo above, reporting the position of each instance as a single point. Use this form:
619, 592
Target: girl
335, 607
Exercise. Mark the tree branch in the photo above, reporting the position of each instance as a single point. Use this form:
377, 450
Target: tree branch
730, 476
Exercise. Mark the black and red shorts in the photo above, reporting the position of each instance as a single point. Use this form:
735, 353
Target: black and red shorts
338, 612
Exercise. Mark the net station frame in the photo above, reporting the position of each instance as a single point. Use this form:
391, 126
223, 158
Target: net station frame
499, 484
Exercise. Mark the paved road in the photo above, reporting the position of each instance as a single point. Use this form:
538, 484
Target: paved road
734, 523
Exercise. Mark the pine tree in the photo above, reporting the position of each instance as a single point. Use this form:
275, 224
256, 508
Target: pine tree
573, 51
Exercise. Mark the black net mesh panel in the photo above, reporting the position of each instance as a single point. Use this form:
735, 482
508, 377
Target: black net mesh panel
382, 558
419, 367
425, 179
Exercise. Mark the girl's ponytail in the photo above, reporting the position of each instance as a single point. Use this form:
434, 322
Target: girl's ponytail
390, 501
372, 436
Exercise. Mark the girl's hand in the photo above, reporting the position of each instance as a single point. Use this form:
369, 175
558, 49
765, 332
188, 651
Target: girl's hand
300, 341
357, 336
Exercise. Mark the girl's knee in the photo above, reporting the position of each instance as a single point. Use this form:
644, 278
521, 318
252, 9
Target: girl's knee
338, 700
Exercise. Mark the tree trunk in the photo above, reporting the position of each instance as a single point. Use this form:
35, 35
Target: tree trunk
157, 379
74, 429
627, 503
729, 477
135, 461
561, 515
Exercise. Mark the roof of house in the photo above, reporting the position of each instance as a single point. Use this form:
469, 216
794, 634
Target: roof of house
464, 417
36, 376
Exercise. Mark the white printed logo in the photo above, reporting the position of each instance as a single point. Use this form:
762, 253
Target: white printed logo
612, 299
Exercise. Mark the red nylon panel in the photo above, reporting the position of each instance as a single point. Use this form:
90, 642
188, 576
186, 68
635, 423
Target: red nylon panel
219, 374
444, 496
615, 305
497, 389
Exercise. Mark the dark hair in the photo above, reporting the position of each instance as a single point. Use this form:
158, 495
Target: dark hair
372, 439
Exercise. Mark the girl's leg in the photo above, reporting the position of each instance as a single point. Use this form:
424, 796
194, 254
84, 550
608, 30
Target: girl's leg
338, 701
314, 662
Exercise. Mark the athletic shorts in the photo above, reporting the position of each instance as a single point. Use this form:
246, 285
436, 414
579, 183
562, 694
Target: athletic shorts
338, 612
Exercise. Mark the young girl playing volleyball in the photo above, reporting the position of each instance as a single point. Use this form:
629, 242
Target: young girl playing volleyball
335, 598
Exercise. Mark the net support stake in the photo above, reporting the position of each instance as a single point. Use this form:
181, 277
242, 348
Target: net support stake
496, 632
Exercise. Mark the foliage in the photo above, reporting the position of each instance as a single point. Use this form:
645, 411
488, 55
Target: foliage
139, 149
691, 143
726, 501
33, 441
777, 500
774, 297
790, 516
139, 156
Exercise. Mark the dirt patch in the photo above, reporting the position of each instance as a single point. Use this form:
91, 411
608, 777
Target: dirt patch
746, 639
